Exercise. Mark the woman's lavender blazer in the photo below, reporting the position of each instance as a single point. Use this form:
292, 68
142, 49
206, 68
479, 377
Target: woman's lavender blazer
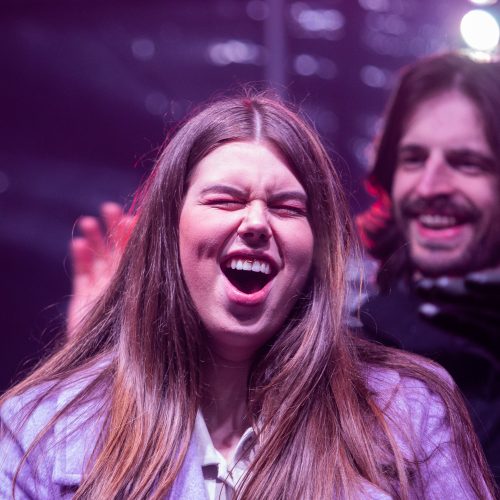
55, 467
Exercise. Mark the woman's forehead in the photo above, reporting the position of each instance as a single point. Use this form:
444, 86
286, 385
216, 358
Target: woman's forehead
245, 163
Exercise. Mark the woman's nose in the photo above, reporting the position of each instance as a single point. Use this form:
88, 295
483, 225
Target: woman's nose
254, 227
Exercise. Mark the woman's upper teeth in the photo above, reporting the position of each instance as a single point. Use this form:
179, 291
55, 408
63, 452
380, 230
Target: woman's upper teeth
255, 265
437, 221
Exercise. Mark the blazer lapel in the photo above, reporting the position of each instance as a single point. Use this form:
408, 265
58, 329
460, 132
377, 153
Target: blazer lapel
76, 435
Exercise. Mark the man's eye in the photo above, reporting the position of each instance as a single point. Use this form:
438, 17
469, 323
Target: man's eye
410, 162
471, 166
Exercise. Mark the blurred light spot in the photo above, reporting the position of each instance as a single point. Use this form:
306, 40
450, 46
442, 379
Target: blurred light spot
370, 124
376, 5
482, 56
374, 21
395, 25
483, 3
305, 65
156, 103
258, 10
383, 44
360, 148
308, 65
373, 77
391, 24
4, 182
418, 46
317, 20
428, 40
234, 51
429, 30
143, 49
178, 109
480, 30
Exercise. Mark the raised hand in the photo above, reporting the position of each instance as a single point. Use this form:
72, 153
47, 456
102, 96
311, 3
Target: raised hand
95, 256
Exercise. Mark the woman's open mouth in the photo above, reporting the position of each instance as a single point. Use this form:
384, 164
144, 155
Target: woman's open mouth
248, 275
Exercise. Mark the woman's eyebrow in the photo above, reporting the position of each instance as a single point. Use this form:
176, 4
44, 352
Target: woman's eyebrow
239, 193
290, 195
222, 189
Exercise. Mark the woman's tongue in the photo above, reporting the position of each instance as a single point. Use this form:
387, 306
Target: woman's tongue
247, 281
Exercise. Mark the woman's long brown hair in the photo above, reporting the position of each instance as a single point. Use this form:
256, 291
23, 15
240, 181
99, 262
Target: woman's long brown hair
318, 428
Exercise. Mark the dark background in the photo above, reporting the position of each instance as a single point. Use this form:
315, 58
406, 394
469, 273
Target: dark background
90, 88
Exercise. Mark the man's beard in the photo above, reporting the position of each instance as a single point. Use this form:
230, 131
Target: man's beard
482, 250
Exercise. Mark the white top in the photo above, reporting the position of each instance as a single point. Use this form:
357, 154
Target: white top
220, 475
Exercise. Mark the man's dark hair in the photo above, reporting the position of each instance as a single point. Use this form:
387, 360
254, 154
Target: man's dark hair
429, 77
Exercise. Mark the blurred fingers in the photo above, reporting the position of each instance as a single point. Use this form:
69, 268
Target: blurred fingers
90, 229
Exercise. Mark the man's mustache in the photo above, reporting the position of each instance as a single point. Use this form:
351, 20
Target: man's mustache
446, 205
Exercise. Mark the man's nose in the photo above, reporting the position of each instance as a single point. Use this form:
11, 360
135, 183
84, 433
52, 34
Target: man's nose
255, 228
436, 177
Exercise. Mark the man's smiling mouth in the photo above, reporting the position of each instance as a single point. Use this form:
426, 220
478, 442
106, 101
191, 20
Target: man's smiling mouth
248, 275
440, 212
438, 221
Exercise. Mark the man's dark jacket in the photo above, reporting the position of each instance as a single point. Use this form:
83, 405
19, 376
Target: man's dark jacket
393, 319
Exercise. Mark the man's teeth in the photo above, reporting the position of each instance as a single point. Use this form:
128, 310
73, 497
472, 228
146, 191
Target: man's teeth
257, 266
437, 221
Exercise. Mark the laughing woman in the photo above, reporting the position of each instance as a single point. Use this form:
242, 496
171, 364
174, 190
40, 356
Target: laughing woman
218, 364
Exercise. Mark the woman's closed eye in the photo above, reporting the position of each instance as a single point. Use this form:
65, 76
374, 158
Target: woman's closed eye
225, 203
286, 209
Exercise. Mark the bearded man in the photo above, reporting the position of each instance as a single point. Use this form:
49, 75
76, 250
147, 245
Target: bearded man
435, 229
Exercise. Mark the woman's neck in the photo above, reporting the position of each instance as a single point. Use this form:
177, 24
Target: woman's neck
224, 401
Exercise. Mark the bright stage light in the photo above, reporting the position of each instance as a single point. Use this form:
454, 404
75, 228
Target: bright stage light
483, 3
480, 30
